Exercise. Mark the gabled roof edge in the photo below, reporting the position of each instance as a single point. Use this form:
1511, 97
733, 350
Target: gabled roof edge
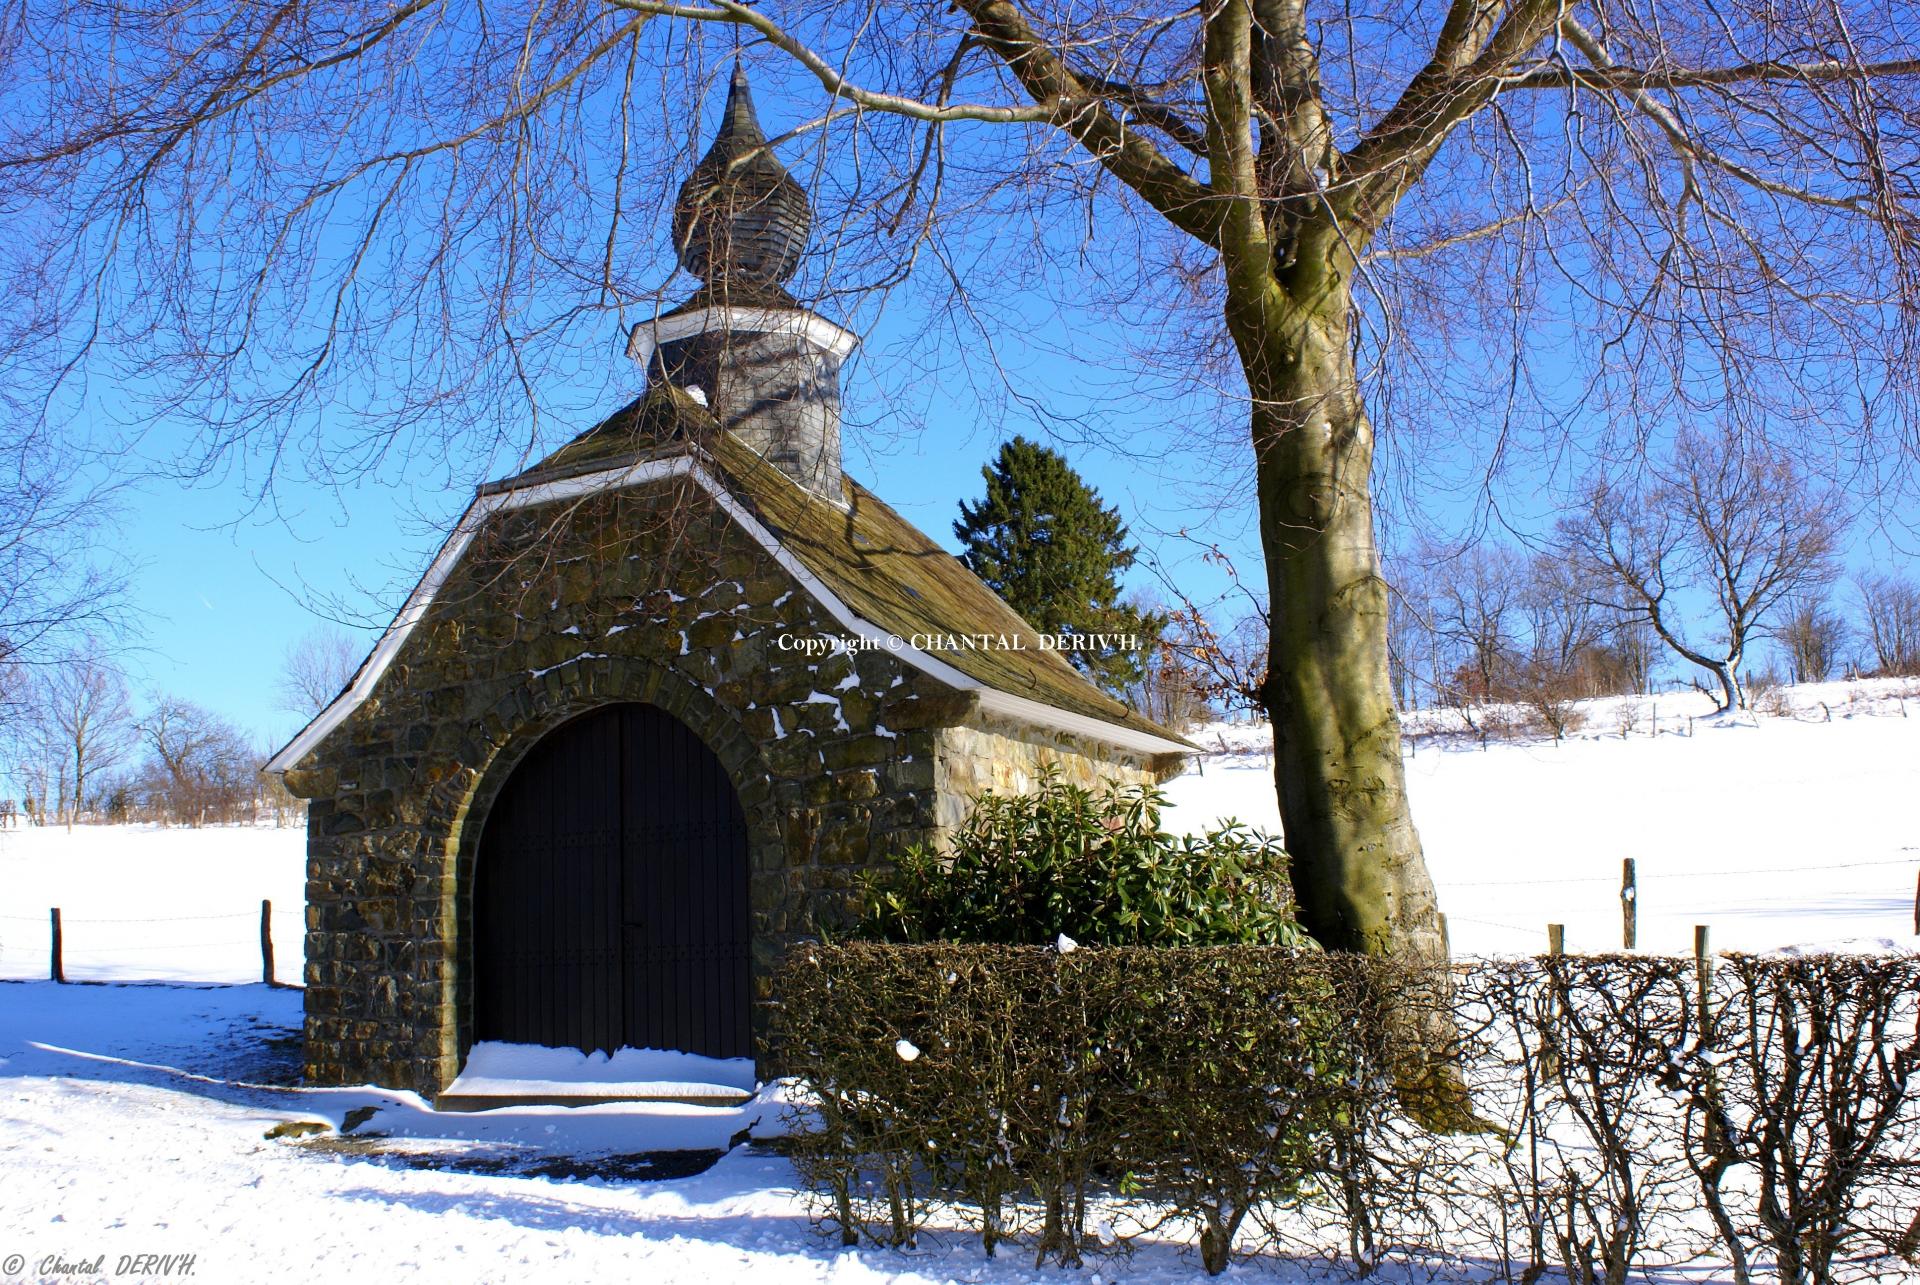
488, 502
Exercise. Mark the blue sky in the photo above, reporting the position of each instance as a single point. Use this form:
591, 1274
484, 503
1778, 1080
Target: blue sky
223, 590
222, 595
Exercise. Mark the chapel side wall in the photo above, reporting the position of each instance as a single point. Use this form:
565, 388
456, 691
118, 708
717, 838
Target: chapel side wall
989, 753
834, 756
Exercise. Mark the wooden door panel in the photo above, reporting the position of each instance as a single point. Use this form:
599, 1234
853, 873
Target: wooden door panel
547, 944
610, 899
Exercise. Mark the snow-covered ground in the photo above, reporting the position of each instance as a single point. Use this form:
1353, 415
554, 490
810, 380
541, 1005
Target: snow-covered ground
139, 902
133, 1118
1795, 830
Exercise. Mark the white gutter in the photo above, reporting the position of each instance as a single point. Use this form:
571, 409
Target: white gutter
647, 336
991, 699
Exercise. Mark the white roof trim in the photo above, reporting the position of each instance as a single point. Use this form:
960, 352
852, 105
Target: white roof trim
992, 699
1027, 710
646, 336
442, 565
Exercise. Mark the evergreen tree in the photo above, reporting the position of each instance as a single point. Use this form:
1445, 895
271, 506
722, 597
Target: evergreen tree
1045, 543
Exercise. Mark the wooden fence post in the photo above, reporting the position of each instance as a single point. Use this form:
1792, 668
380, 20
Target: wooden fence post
1702, 974
1629, 905
1550, 1037
58, 968
266, 941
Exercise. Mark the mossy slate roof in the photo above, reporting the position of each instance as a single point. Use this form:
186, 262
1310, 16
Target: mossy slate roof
887, 571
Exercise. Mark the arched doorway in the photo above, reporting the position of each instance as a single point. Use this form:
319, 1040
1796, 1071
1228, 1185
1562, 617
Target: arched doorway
610, 894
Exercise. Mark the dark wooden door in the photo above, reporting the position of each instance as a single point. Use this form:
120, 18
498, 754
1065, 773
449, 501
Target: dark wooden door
610, 897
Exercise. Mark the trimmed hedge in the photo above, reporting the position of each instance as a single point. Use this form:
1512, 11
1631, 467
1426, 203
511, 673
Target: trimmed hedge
1632, 1118
1215, 1080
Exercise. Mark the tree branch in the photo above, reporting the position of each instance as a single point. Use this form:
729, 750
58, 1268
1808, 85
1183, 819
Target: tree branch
1122, 152
1616, 78
1442, 94
730, 11
1684, 141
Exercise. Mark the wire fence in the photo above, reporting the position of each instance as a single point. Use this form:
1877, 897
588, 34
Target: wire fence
204, 947
270, 942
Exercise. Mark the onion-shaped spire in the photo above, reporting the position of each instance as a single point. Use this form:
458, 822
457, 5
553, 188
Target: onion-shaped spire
741, 224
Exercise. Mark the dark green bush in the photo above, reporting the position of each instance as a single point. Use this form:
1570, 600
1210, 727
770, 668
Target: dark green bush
1097, 867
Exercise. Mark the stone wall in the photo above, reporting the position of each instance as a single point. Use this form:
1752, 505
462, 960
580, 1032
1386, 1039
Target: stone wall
650, 595
988, 753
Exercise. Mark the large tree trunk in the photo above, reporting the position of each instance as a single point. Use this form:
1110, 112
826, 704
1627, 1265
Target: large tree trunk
1359, 874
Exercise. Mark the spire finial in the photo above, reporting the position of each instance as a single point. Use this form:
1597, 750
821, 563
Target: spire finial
741, 221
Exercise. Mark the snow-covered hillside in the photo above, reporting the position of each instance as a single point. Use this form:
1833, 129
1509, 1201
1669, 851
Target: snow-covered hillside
1796, 829
1800, 828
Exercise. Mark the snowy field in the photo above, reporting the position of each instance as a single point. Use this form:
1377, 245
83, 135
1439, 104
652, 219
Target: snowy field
1777, 832
135, 1116
140, 902
1794, 831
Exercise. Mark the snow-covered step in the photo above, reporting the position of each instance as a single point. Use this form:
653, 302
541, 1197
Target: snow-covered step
539, 1093
504, 1075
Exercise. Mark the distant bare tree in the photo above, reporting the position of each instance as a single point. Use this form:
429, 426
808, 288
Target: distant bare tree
88, 721
1484, 622
1814, 637
26, 742
1741, 529
1891, 606
1473, 601
199, 768
1412, 646
318, 667
1562, 623
1624, 661
1170, 691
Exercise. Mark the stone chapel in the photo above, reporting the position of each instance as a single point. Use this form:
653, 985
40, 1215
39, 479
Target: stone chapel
660, 697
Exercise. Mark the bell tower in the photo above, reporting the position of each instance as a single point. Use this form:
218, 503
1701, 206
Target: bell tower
767, 367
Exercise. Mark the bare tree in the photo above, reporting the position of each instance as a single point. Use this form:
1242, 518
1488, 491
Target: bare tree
58, 589
1891, 606
1814, 636
1736, 528
88, 722
318, 667
26, 741
199, 768
1473, 599
1314, 221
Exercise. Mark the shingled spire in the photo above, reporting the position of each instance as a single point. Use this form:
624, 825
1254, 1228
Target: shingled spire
741, 221
767, 367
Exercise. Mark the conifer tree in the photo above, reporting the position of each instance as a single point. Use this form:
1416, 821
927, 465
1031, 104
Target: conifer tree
1044, 541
